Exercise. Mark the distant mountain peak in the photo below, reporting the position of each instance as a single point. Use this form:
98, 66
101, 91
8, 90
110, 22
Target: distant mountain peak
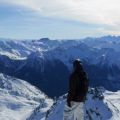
44, 39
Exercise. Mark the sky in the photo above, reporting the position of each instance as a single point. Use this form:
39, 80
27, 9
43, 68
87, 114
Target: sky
59, 19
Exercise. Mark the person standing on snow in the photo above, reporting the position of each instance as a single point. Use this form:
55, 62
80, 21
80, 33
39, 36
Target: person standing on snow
78, 87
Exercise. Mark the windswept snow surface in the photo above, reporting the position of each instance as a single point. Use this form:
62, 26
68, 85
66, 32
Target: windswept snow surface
18, 99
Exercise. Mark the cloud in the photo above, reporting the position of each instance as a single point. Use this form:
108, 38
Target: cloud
100, 12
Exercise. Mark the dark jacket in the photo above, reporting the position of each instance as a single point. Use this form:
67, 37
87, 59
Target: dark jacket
78, 86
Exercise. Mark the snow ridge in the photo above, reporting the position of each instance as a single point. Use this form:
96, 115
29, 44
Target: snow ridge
99, 105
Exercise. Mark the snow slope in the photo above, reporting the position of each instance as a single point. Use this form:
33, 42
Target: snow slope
18, 99
113, 100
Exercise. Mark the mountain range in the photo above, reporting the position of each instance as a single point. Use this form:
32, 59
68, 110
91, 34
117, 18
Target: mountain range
47, 63
34, 77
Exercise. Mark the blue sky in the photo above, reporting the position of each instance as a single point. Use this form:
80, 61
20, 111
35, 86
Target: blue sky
34, 19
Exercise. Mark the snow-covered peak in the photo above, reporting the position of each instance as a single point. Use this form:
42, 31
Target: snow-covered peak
100, 105
18, 99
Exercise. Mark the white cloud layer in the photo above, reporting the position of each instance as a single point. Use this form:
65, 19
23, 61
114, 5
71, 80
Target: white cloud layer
101, 12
